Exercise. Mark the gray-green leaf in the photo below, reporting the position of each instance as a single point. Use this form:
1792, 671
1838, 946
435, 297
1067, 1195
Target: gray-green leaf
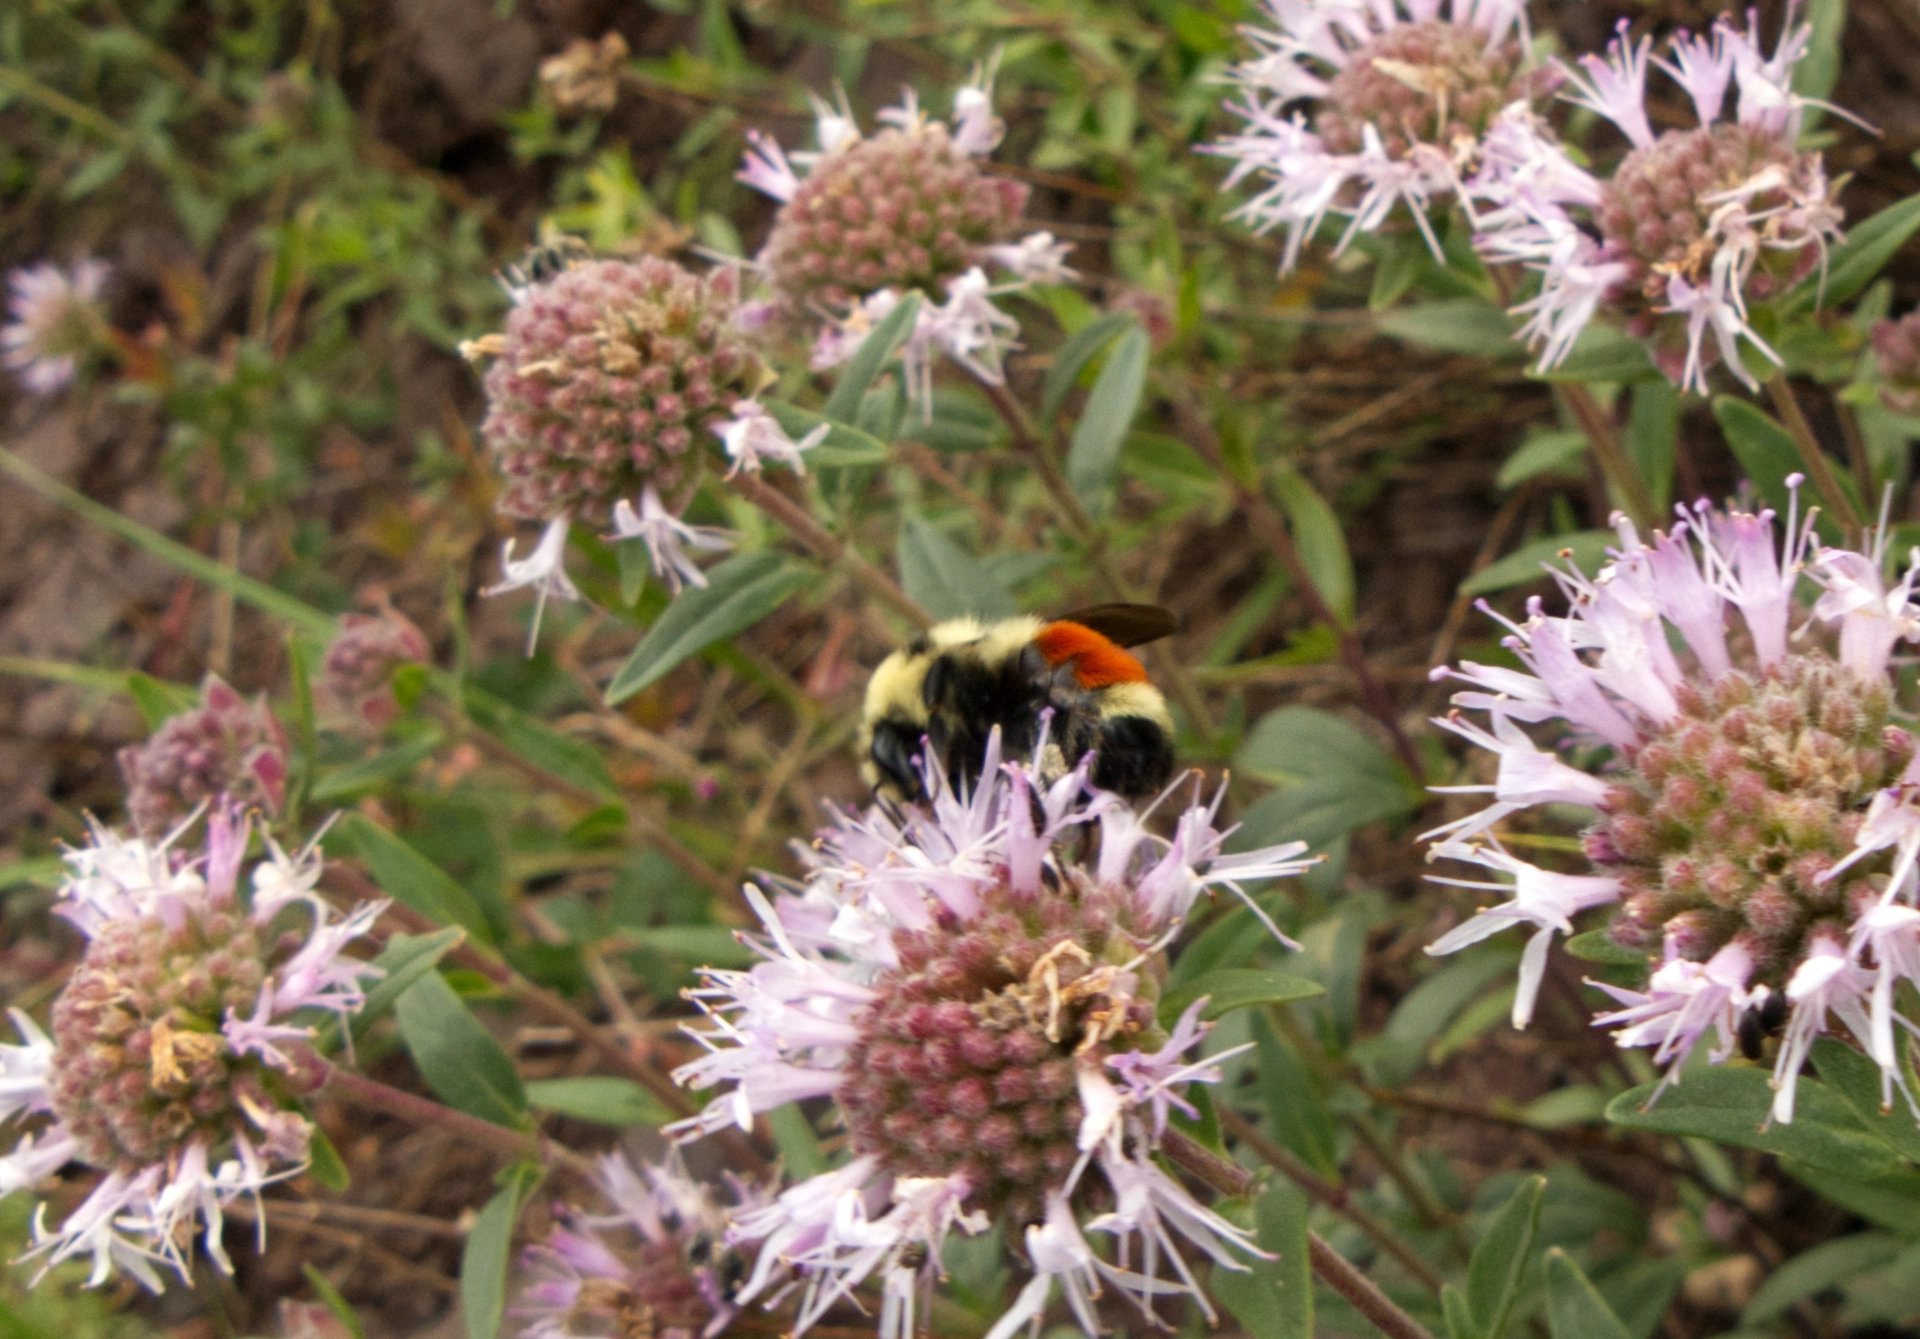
1093, 454
459, 1058
739, 593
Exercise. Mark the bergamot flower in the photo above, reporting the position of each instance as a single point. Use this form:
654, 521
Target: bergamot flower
57, 322
226, 746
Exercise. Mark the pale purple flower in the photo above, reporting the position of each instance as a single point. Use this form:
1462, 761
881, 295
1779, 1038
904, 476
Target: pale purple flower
545, 569
55, 321
1889, 935
1827, 981
667, 538
141, 906
753, 435
767, 169
813, 1019
1035, 259
1682, 1001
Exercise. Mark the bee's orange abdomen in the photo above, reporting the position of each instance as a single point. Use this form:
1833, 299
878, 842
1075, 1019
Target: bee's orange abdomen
1097, 662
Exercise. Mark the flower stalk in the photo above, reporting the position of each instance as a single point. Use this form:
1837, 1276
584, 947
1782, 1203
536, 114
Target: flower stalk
815, 538
1819, 468
1615, 463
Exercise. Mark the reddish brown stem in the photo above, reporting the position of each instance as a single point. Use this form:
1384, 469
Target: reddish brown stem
824, 546
418, 1110
1819, 469
1597, 424
1333, 1268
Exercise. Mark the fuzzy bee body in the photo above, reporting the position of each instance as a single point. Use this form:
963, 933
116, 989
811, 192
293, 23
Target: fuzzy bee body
958, 681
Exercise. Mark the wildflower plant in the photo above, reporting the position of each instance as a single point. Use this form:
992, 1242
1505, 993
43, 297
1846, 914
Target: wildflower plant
56, 322
1753, 831
180, 1047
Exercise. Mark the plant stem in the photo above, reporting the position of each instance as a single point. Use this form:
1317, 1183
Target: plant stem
1333, 1268
1329, 1193
1818, 468
411, 1107
1597, 424
825, 547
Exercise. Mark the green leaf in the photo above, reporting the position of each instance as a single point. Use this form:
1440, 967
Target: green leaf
1599, 946
1458, 325
704, 945
1856, 1078
1236, 988
799, 1147
370, 773
324, 1163
1459, 1317
1586, 549
1767, 456
1500, 1258
259, 594
1815, 1271
1575, 1308
870, 357
330, 1298
739, 593
156, 700
1072, 359
1602, 353
1855, 263
1300, 1118
1560, 454
404, 961
1273, 1299
409, 877
601, 1098
1731, 1106
1093, 452
457, 1056
1891, 1201
945, 581
540, 745
483, 1263
845, 443
1653, 430
1816, 72
1322, 544
635, 562
1334, 778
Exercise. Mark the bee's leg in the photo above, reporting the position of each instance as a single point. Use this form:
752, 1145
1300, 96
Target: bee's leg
1135, 756
896, 744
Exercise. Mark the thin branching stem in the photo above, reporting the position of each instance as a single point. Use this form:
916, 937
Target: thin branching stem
1819, 469
815, 538
1615, 463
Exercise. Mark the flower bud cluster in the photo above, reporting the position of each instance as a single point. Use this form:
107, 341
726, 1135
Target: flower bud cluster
608, 375
901, 209
56, 322
357, 672
226, 746
1431, 81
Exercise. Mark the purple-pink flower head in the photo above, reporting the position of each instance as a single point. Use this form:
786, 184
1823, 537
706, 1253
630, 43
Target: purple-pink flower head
180, 1045
1757, 806
656, 1265
1691, 226
906, 208
1896, 348
55, 322
357, 672
1400, 97
983, 1006
609, 377
227, 746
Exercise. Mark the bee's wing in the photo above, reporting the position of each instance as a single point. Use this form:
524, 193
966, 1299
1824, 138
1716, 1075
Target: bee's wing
1126, 624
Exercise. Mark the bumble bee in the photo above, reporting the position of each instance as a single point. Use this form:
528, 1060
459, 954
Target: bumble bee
548, 259
957, 681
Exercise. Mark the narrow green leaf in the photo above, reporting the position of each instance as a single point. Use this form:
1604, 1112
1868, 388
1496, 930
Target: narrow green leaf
1599, 946
1602, 353
1072, 359
330, 1297
1459, 1318
301, 654
1558, 454
355, 778
1299, 1115
1814, 1271
259, 594
457, 1056
85, 676
945, 581
489, 1248
324, 1162
1333, 777
799, 1147
702, 945
1236, 988
845, 443
1273, 1299
156, 700
1322, 543
1575, 1308
1586, 549
535, 742
1731, 1106
634, 561
1458, 325
407, 876
1500, 1258
1855, 263
1767, 455
601, 1098
1816, 72
1093, 452
1856, 1078
870, 357
405, 960
1653, 431
739, 593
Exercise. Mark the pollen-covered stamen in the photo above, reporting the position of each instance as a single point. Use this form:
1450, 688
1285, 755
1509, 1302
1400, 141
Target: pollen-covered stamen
967, 1060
